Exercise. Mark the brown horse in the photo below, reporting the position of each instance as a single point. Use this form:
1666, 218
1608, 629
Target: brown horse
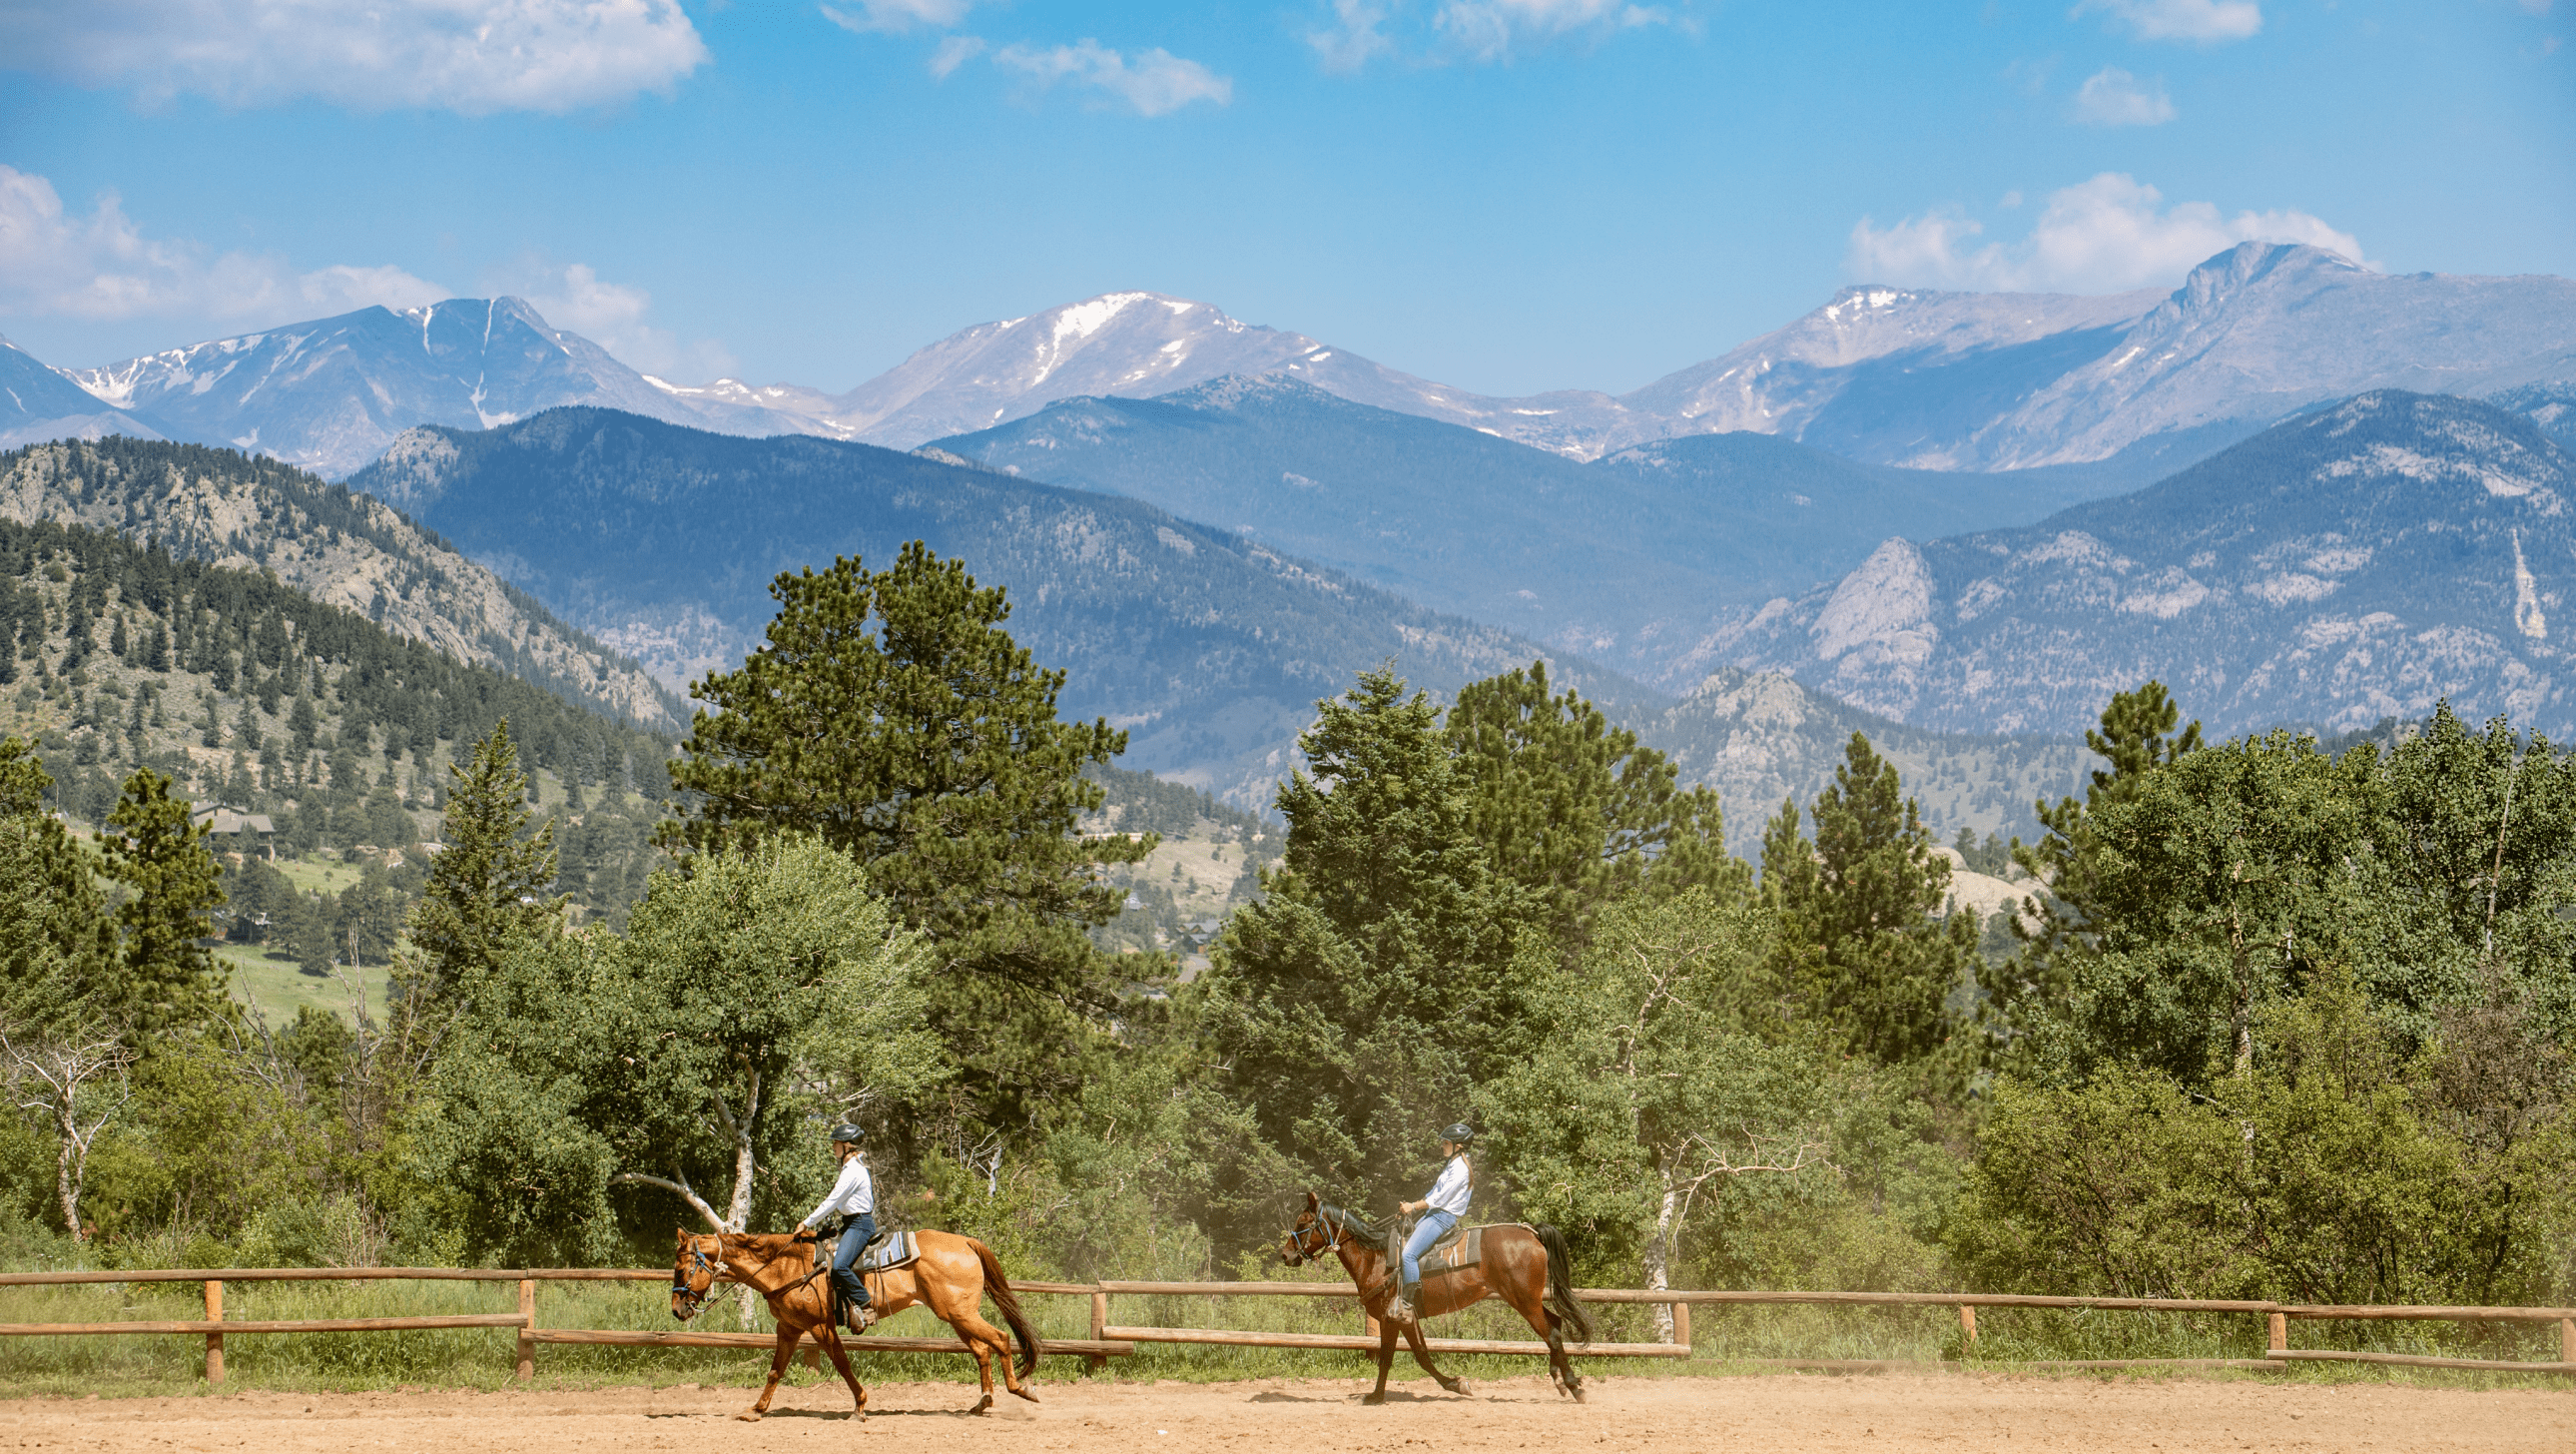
1524, 1266
951, 1276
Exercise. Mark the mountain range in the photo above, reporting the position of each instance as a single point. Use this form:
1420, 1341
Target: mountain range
1880, 375
343, 550
1635, 560
2356, 563
1210, 649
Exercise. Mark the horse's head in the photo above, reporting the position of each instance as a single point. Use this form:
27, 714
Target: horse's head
1311, 1236
694, 1270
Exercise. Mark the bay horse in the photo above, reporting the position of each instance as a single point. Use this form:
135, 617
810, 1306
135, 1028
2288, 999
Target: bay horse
952, 1276
1524, 1266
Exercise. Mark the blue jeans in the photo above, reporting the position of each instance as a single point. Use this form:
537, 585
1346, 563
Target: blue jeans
856, 1233
1433, 1226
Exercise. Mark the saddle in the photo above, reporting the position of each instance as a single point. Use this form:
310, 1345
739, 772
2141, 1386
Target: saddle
1463, 1248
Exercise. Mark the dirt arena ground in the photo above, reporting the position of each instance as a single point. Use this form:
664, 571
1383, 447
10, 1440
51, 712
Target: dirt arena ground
1770, 1413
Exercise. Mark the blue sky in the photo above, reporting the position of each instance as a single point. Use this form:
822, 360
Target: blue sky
1505, 195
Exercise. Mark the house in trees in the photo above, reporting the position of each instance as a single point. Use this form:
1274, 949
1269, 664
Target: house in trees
229, 831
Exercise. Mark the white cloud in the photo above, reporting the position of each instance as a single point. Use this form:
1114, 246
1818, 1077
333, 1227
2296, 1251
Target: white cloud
1493, 29
2113, 97
473, 56
2106, 235
953, 52
1155, 83
899, 15
574, 297
1354, 37
1473, 30
2207, 21
57, 263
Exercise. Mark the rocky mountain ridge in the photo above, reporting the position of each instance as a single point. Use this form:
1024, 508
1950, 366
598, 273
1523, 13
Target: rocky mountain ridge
345, 550
2353, 564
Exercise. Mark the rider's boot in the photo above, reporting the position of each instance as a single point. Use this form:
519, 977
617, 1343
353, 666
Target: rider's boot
862, 1316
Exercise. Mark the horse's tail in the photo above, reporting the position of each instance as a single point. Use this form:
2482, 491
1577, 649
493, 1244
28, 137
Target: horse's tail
1000, 1287
1560, 1283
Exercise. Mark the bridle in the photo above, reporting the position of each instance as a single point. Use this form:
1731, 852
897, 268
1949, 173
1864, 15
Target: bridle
714, 1267
1326, 1230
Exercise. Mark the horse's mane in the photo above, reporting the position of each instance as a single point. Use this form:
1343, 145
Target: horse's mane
1346, 1220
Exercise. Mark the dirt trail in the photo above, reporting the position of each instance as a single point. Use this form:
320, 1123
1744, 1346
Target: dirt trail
1774, 1413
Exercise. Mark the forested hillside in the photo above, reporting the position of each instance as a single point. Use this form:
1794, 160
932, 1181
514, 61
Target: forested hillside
252, 696
227, 508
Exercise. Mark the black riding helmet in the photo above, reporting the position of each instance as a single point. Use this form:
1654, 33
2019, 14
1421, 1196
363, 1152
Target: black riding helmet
1461, 1132
846, 1132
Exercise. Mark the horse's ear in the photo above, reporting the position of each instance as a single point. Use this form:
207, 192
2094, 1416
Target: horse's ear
1311, 1203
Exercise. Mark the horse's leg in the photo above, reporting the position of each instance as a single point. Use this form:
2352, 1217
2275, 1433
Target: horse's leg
954, 1289
1387, 1334
1526, 1290
777, 1369
841, 1360
1422, 1351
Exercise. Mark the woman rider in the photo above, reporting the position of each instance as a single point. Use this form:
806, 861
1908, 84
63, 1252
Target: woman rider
1441, 1208
853, 1199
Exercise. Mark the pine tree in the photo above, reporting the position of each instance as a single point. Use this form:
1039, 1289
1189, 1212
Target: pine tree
166, 979
2134, 739
1573, 809
1371, 987
1858, 949
891, 715
486, 886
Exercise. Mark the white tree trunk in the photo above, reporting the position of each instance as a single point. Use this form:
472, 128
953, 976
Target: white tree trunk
1660, 1248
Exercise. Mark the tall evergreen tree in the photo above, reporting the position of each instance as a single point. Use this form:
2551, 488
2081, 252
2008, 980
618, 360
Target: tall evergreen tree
487, 885
1362, 999
57, 940
889, 714
1858, 948
166, 978
1573, 809
2136, 738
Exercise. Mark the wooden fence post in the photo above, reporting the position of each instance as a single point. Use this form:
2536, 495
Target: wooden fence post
1968, 1322
1099, 1321
2567, 1340
214, 1341
528, 1329
2280, 1332
1681, 1323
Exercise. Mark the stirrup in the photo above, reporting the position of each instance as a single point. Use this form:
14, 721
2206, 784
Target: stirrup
1398, 1310
863, 1317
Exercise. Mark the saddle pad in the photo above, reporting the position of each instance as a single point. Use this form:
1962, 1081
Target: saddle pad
890, 1249
1459, 1255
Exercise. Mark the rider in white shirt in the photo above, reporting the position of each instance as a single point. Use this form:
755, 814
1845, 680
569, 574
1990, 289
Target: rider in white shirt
1440, 1208
853, 1201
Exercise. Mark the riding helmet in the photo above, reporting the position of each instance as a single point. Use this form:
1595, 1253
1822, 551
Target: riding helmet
846, 1132
1462, 1133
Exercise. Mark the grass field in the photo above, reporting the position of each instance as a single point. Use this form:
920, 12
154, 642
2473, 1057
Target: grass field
280, 988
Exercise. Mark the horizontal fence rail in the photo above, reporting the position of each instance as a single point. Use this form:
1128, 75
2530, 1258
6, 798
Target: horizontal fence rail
1110, 1340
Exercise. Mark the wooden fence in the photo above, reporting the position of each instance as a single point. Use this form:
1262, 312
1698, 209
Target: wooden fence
1111, 1340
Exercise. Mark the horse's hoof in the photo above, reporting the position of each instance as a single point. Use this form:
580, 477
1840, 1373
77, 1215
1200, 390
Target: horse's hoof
1578, 1395
1024, 1393
983, 1404
1460, 1388
1372, 1400
749, 1416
